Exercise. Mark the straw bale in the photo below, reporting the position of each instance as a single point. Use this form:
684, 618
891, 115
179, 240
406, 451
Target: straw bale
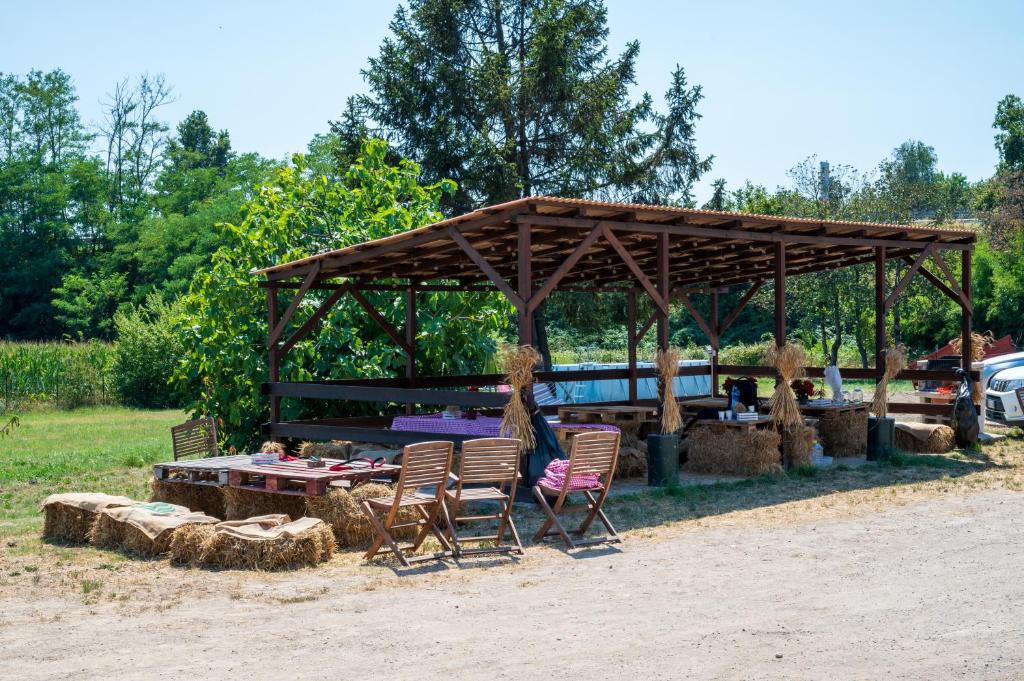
844, 433
941, 441
208, 499
798, 443
308, 548
66, 523
328, 450
240, 504
188, 542
730, 451
342, 511
632, 463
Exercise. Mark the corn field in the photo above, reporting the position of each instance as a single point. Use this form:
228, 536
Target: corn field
62, 374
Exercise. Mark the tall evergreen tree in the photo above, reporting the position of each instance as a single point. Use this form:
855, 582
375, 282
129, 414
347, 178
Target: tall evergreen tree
518, 97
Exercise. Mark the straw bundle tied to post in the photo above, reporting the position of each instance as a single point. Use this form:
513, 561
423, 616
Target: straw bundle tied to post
667, 362
517, 363
895, 362
980, 342
788, 360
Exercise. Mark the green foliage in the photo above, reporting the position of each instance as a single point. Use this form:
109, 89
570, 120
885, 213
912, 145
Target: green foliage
1010, 139
299, 214
518, 97
146, 355
67, 375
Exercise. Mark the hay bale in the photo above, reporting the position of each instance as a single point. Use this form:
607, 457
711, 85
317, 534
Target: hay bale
341, 509
730, 451
70, 517
240, 504
207, 499
312, 544
106, 532
121, 529
844, 433
798, 443
632, 463
338, 449
188, 542
940, 440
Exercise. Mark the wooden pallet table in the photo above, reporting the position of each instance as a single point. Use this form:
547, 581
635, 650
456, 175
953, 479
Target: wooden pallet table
209, 471
933, 397
296, 478
622, 416
745, 424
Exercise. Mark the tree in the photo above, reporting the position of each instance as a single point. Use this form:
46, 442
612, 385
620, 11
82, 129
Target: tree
719, 198
51, 198
519, 97
297, 215
1010, 138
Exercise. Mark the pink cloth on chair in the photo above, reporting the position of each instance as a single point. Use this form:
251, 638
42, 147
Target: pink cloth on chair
554, 477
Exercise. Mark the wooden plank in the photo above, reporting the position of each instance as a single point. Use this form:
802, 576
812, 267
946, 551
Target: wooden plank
563, 269
905, 281
712, 337
282, 323
880, 309
635, 269
486, 267
382, 321
959, 294
754, 288
524, 274
401, 395
752, 235
314, 318
780, 294
847, 372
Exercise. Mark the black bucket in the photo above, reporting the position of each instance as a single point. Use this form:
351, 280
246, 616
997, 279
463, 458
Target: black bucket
880, 436
662, 460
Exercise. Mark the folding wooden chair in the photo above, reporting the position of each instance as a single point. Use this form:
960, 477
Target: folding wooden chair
592, 453
424, 464
494, 462
195, 437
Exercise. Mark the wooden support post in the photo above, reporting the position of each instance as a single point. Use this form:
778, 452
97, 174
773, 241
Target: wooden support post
273, 360
410, 341
780, 294
966, 311
525, 284
662, 312
631, 342
714, 340
880, 309
663, 290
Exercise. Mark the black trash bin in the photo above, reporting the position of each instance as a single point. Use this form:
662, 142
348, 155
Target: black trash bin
880, 436
662, 460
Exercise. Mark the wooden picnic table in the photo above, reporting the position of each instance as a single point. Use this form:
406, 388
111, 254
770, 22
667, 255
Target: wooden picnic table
297, 478
934, 397
623, 416
823, 409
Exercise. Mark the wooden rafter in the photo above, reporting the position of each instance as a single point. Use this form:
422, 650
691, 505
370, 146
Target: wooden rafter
486, 267
697, 317
905, 280
731, 317
314, 318
282, 323
635, 269
382, 321
538, 297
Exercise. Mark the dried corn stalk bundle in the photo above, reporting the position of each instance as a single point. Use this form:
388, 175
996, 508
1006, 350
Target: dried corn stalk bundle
667, 362
895, 362
788, 360
517, 363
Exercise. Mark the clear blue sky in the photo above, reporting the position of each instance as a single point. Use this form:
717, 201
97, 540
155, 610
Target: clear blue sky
846, 81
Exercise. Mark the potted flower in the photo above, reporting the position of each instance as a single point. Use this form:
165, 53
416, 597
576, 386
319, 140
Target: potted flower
803, 389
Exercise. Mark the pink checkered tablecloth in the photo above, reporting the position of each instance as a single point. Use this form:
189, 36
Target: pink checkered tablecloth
482, 426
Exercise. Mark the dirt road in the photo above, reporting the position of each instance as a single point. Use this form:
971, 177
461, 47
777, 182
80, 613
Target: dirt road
931, 590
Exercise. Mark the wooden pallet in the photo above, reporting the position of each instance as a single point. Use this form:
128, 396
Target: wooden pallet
296, 478
616, 416
210, 471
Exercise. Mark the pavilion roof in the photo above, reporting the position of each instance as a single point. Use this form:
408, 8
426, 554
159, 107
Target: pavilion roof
706, 248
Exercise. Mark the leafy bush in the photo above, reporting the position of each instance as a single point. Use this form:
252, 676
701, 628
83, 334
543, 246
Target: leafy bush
146, 355
63, 374
224, 315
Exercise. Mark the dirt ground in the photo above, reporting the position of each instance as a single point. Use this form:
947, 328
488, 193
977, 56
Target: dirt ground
923, 587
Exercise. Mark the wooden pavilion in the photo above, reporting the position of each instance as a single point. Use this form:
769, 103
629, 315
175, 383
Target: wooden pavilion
530, 247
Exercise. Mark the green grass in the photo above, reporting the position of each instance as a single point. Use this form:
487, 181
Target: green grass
100, 449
